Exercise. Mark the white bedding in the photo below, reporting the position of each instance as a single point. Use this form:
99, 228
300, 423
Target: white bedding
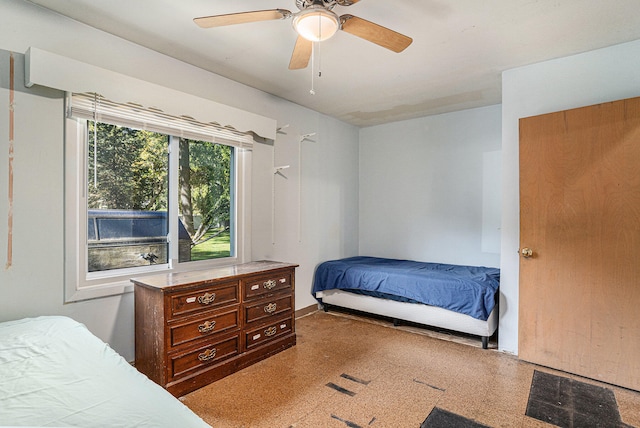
54, 372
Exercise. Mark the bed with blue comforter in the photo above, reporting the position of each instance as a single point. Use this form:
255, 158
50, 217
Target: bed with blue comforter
470, 291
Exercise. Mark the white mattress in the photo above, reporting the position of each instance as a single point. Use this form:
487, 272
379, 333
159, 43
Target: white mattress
54, 372
413, 312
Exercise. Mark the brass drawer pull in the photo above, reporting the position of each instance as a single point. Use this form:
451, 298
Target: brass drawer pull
269, 284
207, 355
270, 308
207, 298
270, 331
207, 326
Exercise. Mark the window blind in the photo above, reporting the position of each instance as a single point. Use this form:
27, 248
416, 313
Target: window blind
95, 107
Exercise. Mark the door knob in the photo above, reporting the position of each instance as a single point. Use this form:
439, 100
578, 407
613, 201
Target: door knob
526, 252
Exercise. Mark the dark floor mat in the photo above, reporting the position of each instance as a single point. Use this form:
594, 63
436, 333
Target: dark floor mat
570, 403
439, 418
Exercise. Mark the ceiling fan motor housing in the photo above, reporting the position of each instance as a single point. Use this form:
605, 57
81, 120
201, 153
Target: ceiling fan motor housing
326, 4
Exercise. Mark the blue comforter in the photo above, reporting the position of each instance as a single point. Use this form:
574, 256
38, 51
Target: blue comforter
470, 290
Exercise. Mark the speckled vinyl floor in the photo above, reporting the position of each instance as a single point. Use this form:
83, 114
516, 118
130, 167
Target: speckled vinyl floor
348, 371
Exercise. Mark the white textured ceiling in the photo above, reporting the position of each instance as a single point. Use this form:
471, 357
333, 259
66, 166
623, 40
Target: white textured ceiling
459, 49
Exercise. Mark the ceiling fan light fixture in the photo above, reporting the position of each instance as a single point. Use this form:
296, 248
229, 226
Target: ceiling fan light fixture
316, 24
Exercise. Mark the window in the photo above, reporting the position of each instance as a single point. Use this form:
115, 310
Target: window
143, 201
127, 197
205, 200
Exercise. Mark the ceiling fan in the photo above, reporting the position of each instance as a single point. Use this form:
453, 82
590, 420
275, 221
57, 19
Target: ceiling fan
316, 21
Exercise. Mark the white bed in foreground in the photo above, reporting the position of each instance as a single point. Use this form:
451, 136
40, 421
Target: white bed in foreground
413, 312
54, 372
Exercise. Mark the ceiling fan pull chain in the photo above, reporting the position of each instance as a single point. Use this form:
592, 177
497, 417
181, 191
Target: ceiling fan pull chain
318, 45
313, 71
319, 61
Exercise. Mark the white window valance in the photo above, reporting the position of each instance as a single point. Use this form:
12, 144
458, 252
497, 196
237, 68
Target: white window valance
95, 107
69, 75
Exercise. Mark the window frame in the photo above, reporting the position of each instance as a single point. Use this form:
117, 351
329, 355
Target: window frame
83, 285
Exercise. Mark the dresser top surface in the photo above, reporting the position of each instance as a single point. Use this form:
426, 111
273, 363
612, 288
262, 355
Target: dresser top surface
170, 280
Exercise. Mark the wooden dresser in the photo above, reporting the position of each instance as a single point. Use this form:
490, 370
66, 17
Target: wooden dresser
193, 328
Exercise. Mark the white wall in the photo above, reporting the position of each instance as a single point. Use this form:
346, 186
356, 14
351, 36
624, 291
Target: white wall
430, 188
590, 78
316, 218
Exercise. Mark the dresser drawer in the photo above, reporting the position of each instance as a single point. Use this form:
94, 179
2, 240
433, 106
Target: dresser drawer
272, 331
206, 355
267, 308
267, 284
204, 326
203, 299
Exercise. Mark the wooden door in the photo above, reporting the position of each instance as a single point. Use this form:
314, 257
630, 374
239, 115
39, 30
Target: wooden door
580, 215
